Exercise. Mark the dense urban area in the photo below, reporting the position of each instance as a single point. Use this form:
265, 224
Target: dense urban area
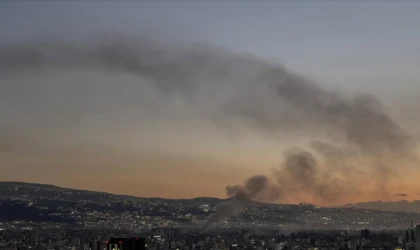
34, 216
28, 206
161, 238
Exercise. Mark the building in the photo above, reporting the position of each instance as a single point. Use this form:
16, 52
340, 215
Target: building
417, 236
365, 233
126, 244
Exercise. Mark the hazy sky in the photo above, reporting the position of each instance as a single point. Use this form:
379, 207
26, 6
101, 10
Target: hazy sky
106, 130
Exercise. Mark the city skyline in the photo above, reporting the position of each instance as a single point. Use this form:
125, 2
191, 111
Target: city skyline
80, 108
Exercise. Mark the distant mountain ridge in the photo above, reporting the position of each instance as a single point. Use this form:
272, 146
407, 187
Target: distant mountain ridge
37, 204
48, 203
35, 190
394, 206
8, 189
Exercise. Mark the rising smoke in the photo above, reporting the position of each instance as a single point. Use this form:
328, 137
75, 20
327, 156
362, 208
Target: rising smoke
225, 210
364, 139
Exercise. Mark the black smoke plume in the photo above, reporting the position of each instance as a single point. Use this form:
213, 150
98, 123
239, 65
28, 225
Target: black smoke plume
361, 146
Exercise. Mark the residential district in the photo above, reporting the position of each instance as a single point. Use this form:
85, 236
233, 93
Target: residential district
176, 238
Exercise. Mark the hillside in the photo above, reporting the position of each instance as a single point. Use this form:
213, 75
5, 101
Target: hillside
393, 206
37, 203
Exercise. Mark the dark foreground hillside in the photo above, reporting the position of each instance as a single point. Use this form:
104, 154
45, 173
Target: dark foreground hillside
37, 203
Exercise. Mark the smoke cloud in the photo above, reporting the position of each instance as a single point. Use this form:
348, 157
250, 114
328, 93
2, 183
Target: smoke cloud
224, 210
360, 149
